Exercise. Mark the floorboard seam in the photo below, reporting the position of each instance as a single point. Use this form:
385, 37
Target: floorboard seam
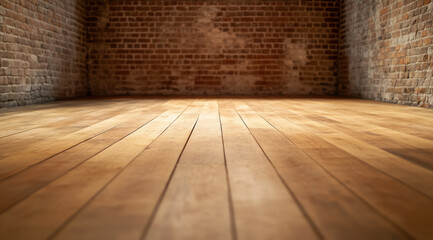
343, 184
46, 159
298, 203
231, 207
360, 160
59, 229
364, 162
75, 165
155, 210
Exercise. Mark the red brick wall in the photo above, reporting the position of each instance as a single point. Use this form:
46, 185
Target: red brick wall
42, 50
213, 47
216, 47
386, 50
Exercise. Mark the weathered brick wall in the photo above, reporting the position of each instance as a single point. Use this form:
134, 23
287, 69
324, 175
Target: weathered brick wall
386, 50
213, 47
216, 47
42, 50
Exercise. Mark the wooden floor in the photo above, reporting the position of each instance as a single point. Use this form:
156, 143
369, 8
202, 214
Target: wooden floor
241, 168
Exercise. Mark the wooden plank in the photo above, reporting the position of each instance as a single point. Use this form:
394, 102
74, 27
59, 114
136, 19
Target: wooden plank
18, 187
406, 208
196, 203
392, 141
22, 113
338, 213
44, 127
343, 161
387, 196
56, 116
35, 114
36, 153
396, 122
361, 122
46, 210
421, 157
409, 173
44, 134
264, 208
367, 116
124, 207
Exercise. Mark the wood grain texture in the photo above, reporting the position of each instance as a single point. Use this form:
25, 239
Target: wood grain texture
124, 208
207, 168
339, 214
196, 203
264, 208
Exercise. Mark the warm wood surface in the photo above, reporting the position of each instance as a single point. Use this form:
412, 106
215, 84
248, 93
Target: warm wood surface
216, 168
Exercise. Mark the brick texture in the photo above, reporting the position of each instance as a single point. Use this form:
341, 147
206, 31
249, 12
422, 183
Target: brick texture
375, 49
42, 50
213, 47
386, 50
